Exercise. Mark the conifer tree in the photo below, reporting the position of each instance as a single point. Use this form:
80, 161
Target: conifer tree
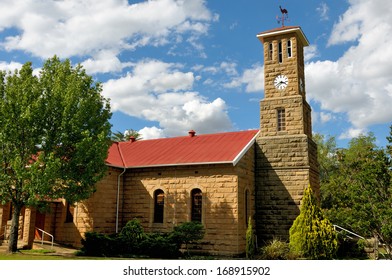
312, 235
250, 240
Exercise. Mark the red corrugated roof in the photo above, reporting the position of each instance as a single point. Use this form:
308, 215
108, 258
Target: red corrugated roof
225, 147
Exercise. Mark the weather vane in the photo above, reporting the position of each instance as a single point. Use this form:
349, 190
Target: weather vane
283, 17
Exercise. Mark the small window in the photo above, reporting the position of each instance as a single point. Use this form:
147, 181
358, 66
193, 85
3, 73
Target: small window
159, 202
280, 52
70, 213
289, 49
270, 51
196, 197
281, 119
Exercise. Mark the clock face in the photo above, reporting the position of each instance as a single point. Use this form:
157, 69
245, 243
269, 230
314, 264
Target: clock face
281, 82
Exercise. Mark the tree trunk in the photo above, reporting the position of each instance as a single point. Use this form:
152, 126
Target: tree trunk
13, 242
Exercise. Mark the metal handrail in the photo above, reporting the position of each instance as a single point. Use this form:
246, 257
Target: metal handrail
350, 232
43, 234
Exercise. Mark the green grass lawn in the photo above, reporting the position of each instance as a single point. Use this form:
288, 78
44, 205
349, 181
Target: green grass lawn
47, 255
34, 255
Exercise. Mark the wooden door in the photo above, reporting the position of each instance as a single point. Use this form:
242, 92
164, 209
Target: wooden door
39, 223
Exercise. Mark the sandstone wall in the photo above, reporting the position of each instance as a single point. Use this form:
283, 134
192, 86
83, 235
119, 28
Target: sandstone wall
285, 166
223, 213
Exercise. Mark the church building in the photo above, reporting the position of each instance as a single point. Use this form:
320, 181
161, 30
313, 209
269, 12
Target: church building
220, 180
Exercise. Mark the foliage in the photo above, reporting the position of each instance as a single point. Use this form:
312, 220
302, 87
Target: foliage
358, 195
389, 138
100, 245
132, 240
312, 235
160, 245
187, 232
277, 250
126, 136
327, 155
351, 248
54, 136
131, 235
250, 241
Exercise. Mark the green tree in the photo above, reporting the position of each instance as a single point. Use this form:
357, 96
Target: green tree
126, 136
389, 138
54, 136
312, 235
360, 191
327, 155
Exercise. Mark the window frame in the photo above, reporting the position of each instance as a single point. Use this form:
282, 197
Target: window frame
159, 206
196, 205
270, 51
280, 52
281, 119
289, 49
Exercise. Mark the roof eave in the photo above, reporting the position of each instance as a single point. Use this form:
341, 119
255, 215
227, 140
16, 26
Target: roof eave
245, 149
172, 164
276, 32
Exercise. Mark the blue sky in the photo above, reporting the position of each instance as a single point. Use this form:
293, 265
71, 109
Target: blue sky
169, 66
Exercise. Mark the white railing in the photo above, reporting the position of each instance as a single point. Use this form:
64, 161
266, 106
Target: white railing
350, 232
43, 234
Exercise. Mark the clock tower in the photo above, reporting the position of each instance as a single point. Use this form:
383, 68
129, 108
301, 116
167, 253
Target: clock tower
286, 157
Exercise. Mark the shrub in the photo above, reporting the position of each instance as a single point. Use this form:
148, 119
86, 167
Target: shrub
250, 241
131, 236
276, 250
132, 240
158, 245
312, 235
100, 245
186, 233
351, 248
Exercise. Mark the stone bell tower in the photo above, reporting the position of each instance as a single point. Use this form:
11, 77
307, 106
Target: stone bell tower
286, 158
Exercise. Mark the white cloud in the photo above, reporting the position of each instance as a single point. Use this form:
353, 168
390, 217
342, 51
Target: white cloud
357, 84
229, 68
151, 133
80, 28
10, 66
325, 117
311, 52
158, 91
361, 19
352, 133
104, 62
323, 11
252, 79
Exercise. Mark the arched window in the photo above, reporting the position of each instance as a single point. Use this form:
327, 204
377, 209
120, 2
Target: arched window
196, 200
247, 207
159, 202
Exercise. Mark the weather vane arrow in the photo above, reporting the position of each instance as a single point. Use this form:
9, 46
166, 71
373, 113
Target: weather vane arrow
283, 17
